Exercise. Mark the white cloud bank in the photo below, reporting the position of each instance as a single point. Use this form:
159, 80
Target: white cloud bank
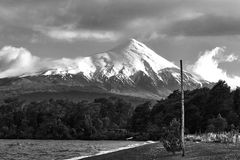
16, 61
69, 33
207, 67
19, 62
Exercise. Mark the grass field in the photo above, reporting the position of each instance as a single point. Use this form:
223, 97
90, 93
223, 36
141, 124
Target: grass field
194, 151
55, 149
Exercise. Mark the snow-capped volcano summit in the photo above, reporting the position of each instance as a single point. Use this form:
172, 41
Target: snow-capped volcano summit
127, 58
131, 68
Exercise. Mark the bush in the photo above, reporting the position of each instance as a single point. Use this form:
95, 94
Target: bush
172, 137
217, 125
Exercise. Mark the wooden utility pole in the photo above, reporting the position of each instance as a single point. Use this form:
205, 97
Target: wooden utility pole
182, 101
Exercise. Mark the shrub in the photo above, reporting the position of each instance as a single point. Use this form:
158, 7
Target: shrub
217, 125
172, 137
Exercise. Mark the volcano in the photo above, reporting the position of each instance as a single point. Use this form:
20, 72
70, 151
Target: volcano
130, 69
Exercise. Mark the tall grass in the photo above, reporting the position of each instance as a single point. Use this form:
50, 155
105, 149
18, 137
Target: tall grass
224, 137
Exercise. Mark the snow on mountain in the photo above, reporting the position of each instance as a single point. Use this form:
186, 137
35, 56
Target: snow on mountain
127, 59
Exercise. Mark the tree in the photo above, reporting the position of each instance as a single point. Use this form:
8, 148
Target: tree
193, 118
172, 137
233, 118
211, 128
219, 100
236, 100
219, 123
140, 118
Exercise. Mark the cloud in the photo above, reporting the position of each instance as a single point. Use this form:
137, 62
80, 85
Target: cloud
108, 15
16, 61
93, 19
70, 34
173, 18
19, 62
205, 25
207, 66
102, 19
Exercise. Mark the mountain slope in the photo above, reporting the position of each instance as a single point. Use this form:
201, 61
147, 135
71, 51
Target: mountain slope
128, 69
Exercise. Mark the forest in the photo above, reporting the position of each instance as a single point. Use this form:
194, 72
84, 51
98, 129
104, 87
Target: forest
206, 110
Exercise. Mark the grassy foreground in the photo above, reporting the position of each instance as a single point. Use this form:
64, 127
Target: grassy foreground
194, 151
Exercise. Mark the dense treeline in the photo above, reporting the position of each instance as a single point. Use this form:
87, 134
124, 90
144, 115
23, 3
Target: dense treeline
61, 119
214, 110
206, 110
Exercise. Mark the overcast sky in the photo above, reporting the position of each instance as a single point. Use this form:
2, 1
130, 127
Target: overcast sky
176, 29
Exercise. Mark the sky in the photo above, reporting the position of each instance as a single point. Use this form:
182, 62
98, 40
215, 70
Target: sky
205, 34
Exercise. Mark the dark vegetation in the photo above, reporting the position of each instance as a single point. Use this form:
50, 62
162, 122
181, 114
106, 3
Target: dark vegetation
215, 110
171, 138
